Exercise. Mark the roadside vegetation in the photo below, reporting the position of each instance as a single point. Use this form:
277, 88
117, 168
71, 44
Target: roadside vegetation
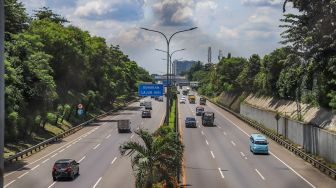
304, 69
51, 67
155, 158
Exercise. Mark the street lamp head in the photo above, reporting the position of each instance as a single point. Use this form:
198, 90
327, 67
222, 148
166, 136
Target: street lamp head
144, 28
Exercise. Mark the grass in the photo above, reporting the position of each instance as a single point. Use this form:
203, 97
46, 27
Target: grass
48, 132
172, 115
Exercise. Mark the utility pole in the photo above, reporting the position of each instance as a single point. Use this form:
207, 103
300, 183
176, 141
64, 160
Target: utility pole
2, 90
168, 62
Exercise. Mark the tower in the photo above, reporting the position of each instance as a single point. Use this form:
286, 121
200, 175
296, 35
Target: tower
209, 54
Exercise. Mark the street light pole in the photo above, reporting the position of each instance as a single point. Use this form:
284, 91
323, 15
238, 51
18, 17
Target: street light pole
171, 64
168, 42
2, 89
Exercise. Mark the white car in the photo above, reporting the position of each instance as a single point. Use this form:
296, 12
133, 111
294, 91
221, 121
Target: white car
182, 101
142, 102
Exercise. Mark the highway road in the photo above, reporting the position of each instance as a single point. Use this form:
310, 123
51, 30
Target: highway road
96, 147
220, 157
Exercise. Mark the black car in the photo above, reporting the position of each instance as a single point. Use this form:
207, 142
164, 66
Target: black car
146, 114
65, 168
190, 122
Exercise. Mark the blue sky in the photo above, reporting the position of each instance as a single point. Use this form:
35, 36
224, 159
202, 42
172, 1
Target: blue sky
242, 27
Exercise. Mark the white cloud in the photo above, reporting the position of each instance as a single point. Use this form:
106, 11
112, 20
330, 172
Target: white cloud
93, 7
228, 33
263, 2
182, 14
207, 5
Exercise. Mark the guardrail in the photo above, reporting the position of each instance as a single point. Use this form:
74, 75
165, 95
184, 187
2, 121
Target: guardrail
299, 152
40, 146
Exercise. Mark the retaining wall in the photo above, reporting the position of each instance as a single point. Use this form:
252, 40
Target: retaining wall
313, 139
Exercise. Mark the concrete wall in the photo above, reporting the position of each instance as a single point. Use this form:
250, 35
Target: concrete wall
313, 139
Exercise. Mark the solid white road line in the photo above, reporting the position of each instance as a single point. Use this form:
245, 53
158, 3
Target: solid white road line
52, 184
97, 182
304, 179
34, 167
45, 160
81, 159
71, 142
262, 177
23, 174
115, 158
132, 136
221, 173
206, 142
242, 154
9, 183
202, 133
69, 146
232, 142
96, 146
108, 136
292, 169
61, 150
213, 156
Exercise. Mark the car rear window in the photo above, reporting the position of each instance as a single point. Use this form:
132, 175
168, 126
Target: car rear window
190, 119
261, 142
61, 165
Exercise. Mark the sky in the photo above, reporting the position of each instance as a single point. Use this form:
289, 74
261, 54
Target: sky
241, 27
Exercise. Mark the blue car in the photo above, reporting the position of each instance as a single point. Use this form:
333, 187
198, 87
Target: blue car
258, 143
190, 122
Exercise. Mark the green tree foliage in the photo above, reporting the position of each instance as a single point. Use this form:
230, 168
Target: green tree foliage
250, 70
156, 158
51, 68
16, 19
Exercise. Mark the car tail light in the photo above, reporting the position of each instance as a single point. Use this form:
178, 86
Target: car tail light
54, 168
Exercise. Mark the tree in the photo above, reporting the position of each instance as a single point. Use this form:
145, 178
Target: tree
155, 158
250, 70
45, 13
16, 19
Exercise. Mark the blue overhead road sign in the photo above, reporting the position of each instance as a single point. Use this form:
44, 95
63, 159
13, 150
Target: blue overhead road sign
150, 90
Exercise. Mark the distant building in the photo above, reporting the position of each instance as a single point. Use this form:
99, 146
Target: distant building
183, 66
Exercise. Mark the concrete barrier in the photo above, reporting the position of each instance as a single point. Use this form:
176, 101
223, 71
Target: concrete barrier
311, 138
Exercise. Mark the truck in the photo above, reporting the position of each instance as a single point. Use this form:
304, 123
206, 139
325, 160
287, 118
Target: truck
202, 101
185, 92
148, 105
192, 99
208, 119
124, 125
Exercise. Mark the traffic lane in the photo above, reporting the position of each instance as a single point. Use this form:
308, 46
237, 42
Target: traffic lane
291, 161
13, 168
274, 173
200, 167
93, 171
82, 147
232, 165
73, 152
120, 173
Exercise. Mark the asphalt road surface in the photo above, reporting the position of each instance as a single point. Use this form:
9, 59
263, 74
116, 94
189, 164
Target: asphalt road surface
220, 157
96, 147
